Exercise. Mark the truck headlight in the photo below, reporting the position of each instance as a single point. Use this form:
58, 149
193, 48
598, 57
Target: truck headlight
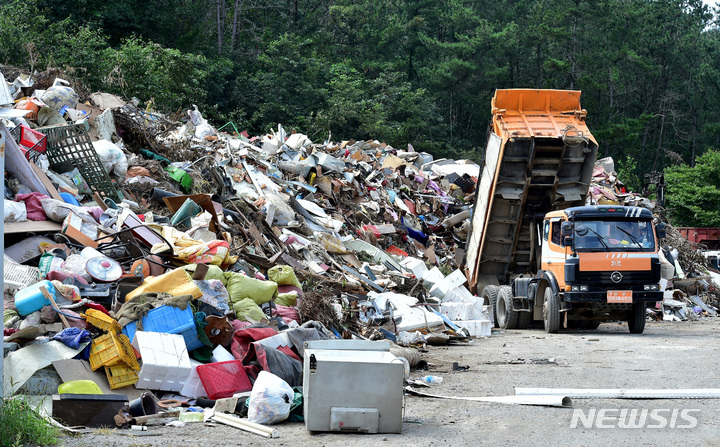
580, 288
651, 287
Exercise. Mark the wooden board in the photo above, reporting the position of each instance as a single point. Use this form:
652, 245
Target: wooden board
46, 182
31, 226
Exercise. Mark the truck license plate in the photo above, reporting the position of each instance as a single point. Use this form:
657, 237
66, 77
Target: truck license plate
619, 296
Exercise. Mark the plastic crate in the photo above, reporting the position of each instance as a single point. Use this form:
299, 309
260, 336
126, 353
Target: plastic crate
465, 182
70, 146
31, 142
224, 379
101, 320
165, 361
120, 376
112, 350
18, 276
168, 320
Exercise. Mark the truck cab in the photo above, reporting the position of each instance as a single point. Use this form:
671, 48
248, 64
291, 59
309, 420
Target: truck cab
598, 263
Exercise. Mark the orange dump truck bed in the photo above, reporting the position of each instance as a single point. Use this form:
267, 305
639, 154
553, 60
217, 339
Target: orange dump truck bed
539, 158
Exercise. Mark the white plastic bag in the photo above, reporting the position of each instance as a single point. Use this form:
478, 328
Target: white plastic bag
112, 157
15, 211
270, 400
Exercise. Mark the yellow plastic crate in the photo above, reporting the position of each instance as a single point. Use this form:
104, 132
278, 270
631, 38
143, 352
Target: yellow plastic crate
120, 376
102, 321
112, 350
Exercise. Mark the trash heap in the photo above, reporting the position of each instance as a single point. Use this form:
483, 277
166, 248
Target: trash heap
147, 253
689, 281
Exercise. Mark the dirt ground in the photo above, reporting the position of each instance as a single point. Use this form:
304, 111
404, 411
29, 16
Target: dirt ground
668, 355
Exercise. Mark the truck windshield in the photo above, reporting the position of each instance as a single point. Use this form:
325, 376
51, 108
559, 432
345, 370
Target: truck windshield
611, 235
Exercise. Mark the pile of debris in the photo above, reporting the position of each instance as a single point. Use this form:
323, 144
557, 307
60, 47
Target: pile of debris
689, 281
150, 253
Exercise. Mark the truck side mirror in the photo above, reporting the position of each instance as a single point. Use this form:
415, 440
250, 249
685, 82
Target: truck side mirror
566, 229
660, 230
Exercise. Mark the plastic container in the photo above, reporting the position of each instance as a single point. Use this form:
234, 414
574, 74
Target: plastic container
191, 416
224, 379
31, 299
112, 350
101, 320
79, 387
168, 320
431, 379
120, 376
166, 364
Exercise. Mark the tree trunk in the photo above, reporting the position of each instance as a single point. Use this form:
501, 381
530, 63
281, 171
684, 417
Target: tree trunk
220, 21
236, 16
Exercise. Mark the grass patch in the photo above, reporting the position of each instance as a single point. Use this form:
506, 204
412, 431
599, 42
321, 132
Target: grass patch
21, 425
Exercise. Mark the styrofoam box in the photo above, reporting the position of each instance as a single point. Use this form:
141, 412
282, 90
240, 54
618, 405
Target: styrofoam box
476, 328
193, 387
165, 361
453, 280
458, 311
417, 266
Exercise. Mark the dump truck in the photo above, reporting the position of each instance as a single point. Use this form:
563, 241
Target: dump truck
535, 250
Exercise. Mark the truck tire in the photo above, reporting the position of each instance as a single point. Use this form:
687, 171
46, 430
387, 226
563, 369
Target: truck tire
636, 322
524, 320
551, 311
506, 316
593, 324
489, 296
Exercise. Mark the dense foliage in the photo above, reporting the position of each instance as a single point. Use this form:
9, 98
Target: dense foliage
693, 196
419, 72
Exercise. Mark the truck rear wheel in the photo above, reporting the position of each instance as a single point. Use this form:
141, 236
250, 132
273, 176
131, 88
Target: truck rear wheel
489, 296
506, 316
551, 311
636, 322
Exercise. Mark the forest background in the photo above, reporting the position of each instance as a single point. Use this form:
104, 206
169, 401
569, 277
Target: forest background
407, 72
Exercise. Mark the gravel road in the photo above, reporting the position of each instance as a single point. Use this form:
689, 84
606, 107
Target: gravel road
668, 355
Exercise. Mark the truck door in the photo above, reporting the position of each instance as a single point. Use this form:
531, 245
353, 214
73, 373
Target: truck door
553, 252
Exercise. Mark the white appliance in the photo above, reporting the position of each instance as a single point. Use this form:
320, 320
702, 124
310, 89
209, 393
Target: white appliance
352, 386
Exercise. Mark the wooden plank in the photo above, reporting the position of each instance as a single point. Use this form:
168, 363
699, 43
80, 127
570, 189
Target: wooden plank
31, 227
46, 182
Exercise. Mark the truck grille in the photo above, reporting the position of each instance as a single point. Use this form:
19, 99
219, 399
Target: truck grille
604, 277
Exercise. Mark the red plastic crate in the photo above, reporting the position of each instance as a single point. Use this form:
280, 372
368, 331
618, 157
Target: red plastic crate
223, 379
32, 143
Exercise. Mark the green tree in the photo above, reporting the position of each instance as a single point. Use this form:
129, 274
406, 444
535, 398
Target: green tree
693, 193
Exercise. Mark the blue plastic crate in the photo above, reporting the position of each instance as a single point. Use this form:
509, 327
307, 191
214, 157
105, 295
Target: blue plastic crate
168, 320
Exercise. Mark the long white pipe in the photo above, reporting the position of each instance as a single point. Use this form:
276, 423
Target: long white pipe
544, 400
622, 393
242, 424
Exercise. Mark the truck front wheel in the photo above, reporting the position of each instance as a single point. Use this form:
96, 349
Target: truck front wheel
551, 311
507, 317
636, 322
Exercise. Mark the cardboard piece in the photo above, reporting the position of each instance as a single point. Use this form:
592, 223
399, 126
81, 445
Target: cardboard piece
70, 370
71, 228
